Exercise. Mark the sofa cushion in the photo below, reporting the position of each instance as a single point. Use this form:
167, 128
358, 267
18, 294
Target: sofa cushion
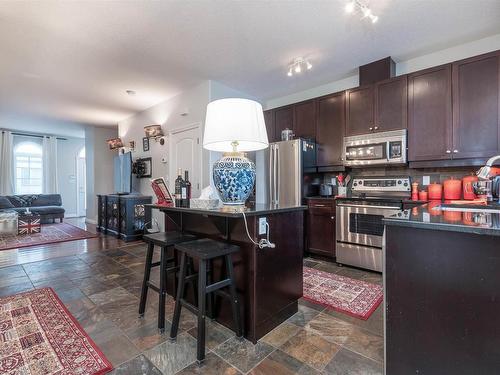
22, 200
5, 203
47, 200
47, 210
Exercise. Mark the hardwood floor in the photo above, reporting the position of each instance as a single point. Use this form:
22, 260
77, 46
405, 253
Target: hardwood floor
99, 280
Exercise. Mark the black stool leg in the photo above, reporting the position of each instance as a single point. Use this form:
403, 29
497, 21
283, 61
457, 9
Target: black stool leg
194, 283
202, 283
163, 288
210, 300
179, 296
147, 273
234, 298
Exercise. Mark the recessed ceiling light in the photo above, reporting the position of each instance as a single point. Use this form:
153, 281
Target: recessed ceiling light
130, 92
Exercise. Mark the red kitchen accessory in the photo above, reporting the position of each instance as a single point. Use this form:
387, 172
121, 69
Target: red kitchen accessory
340, 179
468, 190
435, 192
452, 189
414, 191
422, 196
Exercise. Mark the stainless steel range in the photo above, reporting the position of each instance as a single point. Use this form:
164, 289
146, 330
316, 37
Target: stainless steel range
360, 230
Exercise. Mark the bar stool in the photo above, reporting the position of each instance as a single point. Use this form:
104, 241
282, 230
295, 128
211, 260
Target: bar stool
164, 240
205, 250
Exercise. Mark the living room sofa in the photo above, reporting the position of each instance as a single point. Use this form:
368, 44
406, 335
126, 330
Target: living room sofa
48, 206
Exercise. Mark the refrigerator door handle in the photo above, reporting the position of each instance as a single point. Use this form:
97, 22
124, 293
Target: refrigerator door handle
271, 174
278, 175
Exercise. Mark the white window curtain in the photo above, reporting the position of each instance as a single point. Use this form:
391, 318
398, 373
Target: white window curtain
50, 165
6, 163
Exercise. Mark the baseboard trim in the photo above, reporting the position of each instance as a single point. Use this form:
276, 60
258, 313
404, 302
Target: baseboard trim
90, 221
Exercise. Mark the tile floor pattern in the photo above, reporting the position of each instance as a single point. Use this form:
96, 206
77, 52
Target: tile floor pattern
101, 289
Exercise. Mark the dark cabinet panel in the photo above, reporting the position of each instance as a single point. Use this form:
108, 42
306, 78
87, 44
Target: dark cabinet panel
476, 117
305, 119
330, 129
391, 100
321, 228
360, 110
430, 114
283, 118
269, 120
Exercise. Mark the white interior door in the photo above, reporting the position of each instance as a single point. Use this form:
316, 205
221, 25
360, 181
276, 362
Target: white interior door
81, 190
185, 153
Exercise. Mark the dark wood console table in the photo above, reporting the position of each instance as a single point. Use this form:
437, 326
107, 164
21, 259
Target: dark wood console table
123, 215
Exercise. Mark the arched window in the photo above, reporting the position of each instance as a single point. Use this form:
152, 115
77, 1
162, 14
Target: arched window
28, 168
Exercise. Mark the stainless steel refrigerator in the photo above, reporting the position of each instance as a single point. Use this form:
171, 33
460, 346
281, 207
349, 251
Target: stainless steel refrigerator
281, 171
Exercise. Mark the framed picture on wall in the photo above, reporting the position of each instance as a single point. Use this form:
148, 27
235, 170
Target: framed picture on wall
145, 144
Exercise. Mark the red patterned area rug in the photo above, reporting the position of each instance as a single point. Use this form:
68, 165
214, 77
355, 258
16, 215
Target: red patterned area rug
38, 335
353, 297
50, 233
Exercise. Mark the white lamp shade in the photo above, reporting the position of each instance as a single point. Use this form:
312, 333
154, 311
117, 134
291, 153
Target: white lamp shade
233, 119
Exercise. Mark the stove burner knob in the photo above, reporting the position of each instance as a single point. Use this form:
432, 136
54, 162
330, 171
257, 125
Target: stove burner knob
399, 182
361, 182
405, 184
355, 184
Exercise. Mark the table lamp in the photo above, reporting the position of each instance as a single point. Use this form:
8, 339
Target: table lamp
233, 126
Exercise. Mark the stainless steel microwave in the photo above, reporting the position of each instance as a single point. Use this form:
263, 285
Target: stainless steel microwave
376, 149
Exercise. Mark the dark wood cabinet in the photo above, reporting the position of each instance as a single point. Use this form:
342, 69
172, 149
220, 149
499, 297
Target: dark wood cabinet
391, 104
283, 118
269, 120
330, 129
378, 107
304, 124
360, 110
321, 227
430, 114
476, 116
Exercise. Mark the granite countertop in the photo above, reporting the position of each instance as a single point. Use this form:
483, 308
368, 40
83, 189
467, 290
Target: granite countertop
228, 211
464, 219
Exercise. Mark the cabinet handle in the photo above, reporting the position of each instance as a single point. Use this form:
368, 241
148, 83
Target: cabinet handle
320, 205
333, 217
371, 129
455, 151
376, 128
448, 151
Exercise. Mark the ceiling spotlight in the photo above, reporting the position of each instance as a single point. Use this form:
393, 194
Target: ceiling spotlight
357, 6
298, 65
349, 7
130, 92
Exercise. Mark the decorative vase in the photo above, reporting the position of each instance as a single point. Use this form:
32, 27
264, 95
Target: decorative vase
234, 178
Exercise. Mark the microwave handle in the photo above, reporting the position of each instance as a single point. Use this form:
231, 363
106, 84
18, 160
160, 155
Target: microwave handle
388, 150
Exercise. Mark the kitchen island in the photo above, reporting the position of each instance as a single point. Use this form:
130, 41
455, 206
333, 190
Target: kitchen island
442, 290
268, 280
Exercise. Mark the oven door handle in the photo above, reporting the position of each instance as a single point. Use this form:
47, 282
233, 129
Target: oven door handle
369, 206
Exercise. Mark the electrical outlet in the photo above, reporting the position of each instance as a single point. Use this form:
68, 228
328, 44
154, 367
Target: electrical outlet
426, 180
262, 225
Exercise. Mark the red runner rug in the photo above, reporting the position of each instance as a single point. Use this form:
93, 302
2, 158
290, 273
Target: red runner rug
38, 335
50, 233
353, 297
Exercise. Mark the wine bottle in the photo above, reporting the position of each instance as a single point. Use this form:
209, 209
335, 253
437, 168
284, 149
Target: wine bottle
187, 183
178, 188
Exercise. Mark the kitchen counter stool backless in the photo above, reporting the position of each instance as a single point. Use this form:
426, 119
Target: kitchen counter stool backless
166, 241
205, 250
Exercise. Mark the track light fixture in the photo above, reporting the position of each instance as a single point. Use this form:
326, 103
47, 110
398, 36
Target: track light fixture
355, 5
297, 65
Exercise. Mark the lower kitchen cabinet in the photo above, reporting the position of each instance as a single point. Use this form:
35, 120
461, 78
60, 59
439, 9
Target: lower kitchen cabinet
321, 227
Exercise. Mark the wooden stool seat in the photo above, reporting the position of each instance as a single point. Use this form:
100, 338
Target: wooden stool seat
205, 250
164, 240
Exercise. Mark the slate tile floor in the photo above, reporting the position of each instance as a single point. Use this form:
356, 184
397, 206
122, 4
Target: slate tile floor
101, 289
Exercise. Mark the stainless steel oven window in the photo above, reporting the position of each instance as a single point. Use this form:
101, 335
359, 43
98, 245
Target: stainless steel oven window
368, 224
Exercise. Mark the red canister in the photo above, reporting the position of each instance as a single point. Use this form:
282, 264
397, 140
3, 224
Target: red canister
468, 191
435, 192
452, 189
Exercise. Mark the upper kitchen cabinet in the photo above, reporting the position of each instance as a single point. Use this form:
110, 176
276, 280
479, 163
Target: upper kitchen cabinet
476, 116
269, 120
330, 129
360, 108
304, 124
430, 114
378, 107
391, 104
283, 118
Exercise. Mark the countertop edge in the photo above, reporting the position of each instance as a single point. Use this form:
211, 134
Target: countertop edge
228, 214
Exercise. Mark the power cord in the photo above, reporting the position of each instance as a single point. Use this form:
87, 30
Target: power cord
264, 242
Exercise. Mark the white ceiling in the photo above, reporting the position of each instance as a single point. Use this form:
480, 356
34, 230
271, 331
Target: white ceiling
74, 60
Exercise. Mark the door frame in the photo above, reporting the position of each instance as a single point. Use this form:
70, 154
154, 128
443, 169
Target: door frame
78, 177
180, 129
